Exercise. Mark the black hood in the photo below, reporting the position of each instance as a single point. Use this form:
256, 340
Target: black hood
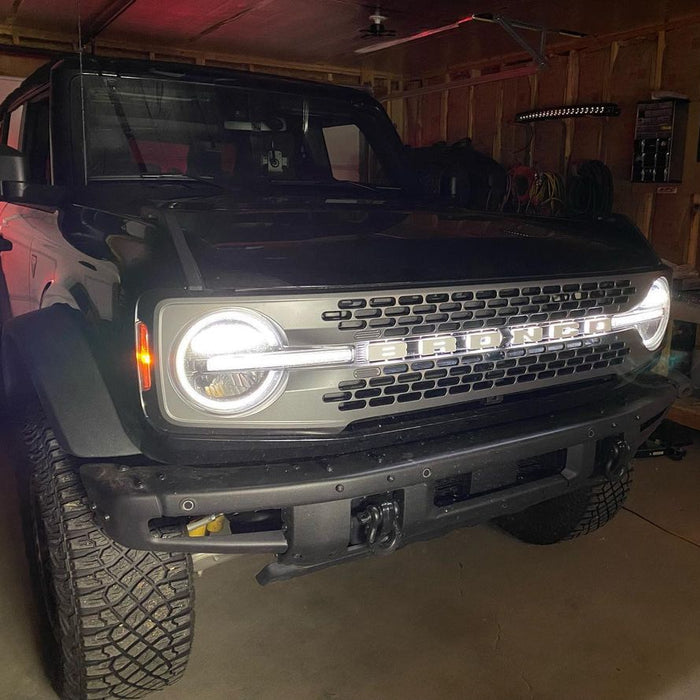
373, 247
335, 240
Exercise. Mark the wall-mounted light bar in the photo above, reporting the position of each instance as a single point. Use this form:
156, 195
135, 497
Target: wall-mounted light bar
600, 109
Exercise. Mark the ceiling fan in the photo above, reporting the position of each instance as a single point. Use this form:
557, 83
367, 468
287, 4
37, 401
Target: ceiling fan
377, 29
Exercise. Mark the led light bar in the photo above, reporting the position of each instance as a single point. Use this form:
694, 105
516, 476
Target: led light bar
282, 359
601, 109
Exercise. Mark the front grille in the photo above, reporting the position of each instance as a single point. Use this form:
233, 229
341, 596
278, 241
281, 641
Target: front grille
402, 383
447, 312
421, 376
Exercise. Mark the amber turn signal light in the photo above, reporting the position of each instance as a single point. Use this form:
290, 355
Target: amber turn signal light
144, 358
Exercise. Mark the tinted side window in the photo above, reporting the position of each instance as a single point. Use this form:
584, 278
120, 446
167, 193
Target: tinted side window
14, 129
350, 155
35, 140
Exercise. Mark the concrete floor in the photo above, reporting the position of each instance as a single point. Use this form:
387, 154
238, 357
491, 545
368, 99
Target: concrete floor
475, 614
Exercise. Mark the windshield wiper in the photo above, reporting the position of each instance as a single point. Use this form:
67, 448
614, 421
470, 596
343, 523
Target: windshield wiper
163, 177
337, 184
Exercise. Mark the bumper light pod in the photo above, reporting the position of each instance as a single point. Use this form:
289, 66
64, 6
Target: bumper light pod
650, 317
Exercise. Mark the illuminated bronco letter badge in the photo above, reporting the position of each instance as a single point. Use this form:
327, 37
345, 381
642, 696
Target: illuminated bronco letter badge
485, 340
493, 339
531, 334
437, 346
597, 325
379, 352
564, 330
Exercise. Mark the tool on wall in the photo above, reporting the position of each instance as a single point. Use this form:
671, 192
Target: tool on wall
659, 141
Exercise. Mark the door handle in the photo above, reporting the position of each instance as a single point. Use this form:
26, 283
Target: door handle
5, 245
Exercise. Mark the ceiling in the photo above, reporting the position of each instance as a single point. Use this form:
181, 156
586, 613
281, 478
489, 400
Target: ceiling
326, 31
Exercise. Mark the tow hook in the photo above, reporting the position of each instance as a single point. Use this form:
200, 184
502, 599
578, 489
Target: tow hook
381, 523
616, 458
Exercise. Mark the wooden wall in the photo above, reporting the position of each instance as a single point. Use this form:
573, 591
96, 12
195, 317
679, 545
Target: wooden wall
623, 69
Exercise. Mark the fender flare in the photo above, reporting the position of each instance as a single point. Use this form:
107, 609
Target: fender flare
49, 353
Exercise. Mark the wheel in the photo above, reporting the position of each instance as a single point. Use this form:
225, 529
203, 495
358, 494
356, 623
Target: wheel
117, 622
571, 515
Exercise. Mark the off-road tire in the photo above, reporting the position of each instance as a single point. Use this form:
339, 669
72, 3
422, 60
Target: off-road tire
571, 515
120, 621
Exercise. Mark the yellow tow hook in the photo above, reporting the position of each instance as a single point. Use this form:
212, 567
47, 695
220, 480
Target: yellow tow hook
209, 524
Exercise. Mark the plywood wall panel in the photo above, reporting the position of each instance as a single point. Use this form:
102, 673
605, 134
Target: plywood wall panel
431, 119
549, 137
515, 138
412, 116
485, 109
19, 66
412, 130
671, 227
548, 151
591, 77
630, 82
588, 132
681, 67
586, 139
636, 201
552, 82
457, 114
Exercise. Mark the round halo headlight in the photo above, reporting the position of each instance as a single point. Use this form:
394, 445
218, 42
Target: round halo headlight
657, 306
237, 332
650, 317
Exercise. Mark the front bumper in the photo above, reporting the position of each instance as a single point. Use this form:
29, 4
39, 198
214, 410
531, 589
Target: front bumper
316, 497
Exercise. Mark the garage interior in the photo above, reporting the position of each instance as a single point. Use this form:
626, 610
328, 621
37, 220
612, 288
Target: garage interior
474, 614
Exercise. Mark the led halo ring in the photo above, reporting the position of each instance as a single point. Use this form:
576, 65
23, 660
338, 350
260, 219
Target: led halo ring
650, 317
269, 389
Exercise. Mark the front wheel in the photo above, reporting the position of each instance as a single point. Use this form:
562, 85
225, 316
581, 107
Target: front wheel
571, 515
118, 622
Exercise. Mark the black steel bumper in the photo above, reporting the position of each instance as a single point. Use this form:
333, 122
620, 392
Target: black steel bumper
316, 497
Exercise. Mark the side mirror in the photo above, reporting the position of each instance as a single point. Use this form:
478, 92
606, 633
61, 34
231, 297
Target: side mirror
15, 185
13, 165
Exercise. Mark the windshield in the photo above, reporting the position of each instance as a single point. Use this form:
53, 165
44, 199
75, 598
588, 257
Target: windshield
165, 128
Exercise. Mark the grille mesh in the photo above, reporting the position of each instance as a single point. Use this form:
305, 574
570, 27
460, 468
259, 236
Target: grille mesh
448, 312
407, 382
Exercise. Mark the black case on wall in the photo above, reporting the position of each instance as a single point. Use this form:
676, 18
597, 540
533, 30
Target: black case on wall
659, 141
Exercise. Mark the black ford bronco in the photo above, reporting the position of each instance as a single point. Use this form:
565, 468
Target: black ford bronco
230, 324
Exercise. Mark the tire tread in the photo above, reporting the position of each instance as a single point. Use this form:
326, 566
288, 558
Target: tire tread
126, 616
571, 515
